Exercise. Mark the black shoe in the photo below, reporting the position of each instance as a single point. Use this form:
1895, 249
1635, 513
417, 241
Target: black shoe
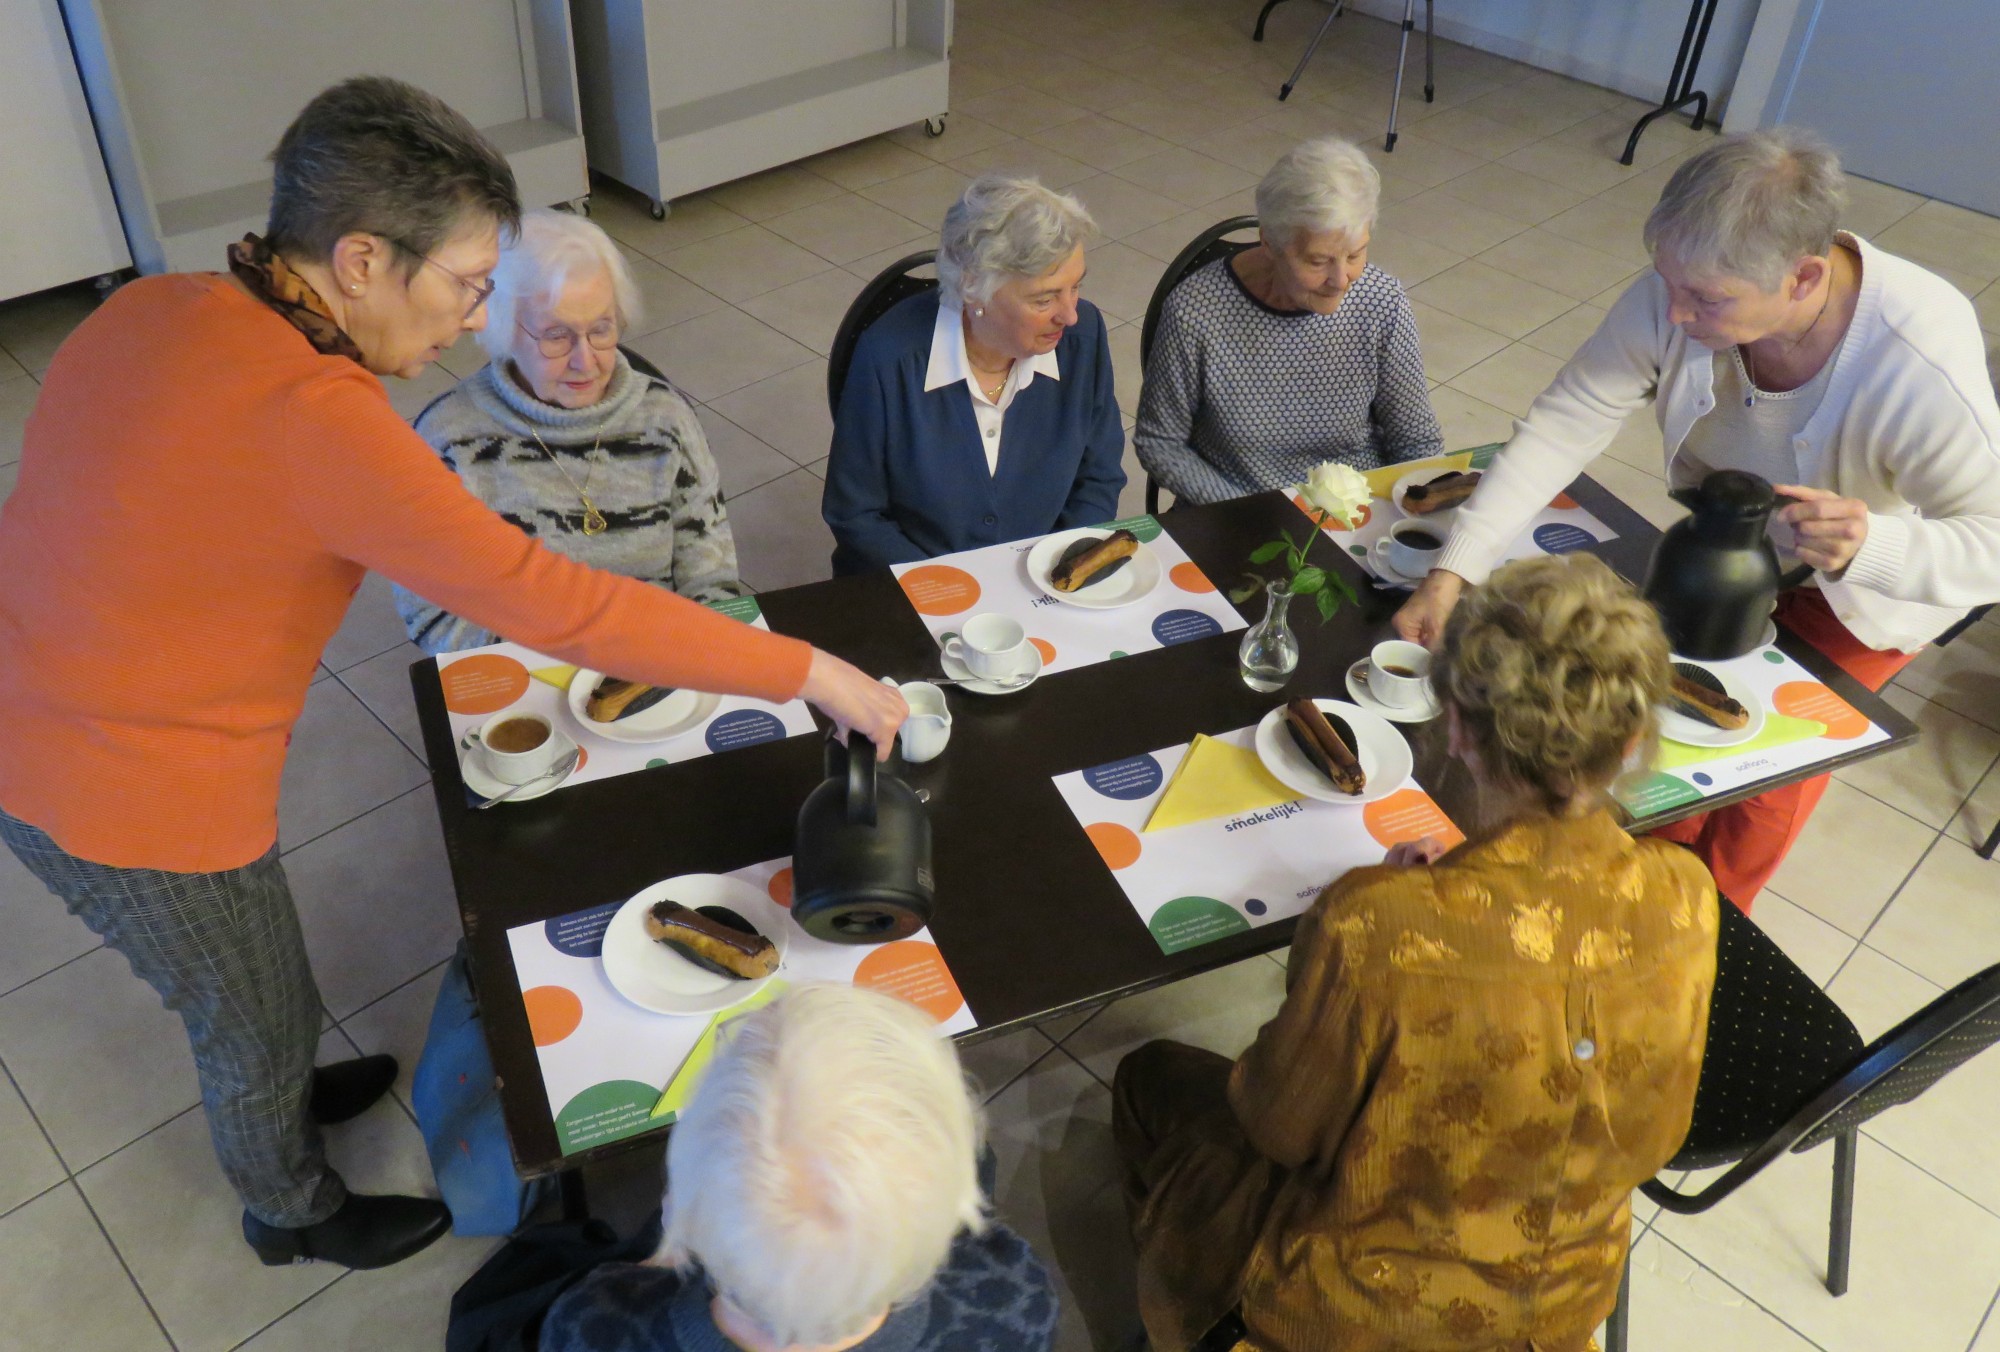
347, 1089
367, 1232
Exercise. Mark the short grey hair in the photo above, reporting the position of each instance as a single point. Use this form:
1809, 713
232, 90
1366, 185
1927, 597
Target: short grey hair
1003, 227
825, 1164
1751, 206
1324, 184
552, 249
377, 156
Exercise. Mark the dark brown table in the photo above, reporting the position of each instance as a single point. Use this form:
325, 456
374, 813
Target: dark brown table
1029, 934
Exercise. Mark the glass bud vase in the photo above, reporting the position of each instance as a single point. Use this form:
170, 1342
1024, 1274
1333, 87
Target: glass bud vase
1270, 650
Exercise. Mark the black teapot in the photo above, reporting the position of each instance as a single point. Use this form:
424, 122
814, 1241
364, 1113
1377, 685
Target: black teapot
861, 867
1714, 575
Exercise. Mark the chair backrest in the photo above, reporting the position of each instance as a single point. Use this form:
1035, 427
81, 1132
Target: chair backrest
892, 284
641, 365
1203, 249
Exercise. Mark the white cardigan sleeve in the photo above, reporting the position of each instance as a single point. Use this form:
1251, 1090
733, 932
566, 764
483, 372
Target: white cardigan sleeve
1612, 376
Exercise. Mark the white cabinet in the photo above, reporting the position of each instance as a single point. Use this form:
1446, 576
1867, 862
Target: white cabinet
191, 96
679, 95
58, 221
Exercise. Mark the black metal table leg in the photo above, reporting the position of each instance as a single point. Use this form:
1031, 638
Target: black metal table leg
1680, 86
1262, 15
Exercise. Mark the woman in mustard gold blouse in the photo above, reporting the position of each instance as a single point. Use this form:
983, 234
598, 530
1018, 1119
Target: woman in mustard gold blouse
1481, 1053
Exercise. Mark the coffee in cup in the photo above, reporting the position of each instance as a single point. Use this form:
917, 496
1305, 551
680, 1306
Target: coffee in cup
1413, 547
519, 747
1399, 674
991, 647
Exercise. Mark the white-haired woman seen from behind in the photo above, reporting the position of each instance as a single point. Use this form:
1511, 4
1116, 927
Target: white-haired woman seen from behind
1295, 351
823, 1194
1769, 340
563, 438
982, 411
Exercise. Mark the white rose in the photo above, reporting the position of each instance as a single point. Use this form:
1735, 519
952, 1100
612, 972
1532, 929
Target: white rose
1336, 489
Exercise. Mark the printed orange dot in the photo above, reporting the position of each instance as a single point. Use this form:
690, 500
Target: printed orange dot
582, 758
484, 683
1408, 814
553, 1013
1190, 578
939, 589
1810, 699
780, 888
1119, 845
1046, 649
1362, 516
913, 971
1563, 502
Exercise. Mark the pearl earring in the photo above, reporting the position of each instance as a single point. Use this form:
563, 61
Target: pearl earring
979, 312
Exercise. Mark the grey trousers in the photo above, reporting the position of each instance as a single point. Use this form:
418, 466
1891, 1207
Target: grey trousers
225, 953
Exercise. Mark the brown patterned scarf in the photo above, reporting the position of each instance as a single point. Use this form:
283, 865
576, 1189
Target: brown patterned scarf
292, 296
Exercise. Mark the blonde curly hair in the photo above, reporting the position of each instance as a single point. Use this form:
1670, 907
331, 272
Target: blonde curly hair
1554, 667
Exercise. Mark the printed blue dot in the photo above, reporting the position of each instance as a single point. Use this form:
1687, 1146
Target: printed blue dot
581, 934
1255, 907
745, 727
1559, 537
1133, 777
1703, 778
1183, 626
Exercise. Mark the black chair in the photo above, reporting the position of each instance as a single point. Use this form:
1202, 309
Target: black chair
892, 284
1202, 250
1974, 616
1785, 1069
641, 365
1402, 56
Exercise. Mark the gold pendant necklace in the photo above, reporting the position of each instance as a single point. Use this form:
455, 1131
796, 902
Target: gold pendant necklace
593, 520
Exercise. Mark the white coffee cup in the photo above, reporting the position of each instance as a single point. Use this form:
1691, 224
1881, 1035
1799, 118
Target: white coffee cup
928, 727
517, 767
991, 647
1413, 560
1386, 682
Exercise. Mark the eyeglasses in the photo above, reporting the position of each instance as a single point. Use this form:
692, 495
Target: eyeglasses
480, 294
603, 335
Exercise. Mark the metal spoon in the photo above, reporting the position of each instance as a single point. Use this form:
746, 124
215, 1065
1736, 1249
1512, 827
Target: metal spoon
561, 767
979, 680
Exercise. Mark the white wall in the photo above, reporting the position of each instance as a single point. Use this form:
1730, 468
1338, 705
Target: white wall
1627, 45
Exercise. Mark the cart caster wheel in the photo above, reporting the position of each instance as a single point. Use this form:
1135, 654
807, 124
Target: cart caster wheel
934, 126
581, 206
106, 283
660, 211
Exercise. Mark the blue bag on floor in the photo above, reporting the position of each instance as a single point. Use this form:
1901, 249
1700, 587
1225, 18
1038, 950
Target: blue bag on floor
458, 1109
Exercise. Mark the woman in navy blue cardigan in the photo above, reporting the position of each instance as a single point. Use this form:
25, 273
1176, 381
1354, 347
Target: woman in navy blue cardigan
983, 411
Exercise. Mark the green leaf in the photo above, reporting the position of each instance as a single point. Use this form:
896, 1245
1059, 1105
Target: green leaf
1308, 587
1264, 553
1328, 603
1308, 580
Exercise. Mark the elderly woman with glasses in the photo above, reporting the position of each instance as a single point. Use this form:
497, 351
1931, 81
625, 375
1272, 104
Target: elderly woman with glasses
563, 438
211, 467
1295, 351
981, 411
1771, 341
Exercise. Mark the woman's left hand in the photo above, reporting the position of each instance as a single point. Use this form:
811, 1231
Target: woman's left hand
1830, 528
1410, 853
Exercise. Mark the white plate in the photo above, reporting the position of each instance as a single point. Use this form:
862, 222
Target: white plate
1387, 571
680, 712
1358, 691
653, 976
961, 673
1678, 727
1135, 580
472, 769
1384, 755
1424, 476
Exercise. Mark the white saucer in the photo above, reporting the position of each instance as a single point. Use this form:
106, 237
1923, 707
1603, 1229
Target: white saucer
1358, 691
1135, 580
961, 673
653, 976
1387, 571
472, 769
680, 712
1678, 727
1385, 757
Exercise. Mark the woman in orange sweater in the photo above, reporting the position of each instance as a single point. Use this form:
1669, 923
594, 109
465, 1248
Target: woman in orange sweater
209, 470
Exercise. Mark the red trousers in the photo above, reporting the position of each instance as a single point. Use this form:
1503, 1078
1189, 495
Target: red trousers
1743, 844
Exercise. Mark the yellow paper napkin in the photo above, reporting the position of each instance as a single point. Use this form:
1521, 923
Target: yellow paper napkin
1779, 730
1216, 779
559, 677
681, 1088
1381, 482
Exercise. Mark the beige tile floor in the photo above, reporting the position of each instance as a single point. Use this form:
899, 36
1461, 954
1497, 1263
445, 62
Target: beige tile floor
1513, 227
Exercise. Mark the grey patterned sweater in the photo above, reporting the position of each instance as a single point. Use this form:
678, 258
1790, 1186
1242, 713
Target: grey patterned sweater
1240, 397
650, 475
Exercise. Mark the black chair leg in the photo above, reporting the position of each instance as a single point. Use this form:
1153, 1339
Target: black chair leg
1992, 843
1262, 15
1841, 1241
1618, 1328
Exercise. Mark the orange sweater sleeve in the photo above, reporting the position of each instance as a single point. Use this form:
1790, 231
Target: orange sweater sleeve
375, 493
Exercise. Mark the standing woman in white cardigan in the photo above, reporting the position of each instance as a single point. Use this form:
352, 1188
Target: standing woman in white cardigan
1771, 341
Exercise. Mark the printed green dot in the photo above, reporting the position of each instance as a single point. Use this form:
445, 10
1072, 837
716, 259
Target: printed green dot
1773, 656
655, 763
1119, 652
1357, 551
